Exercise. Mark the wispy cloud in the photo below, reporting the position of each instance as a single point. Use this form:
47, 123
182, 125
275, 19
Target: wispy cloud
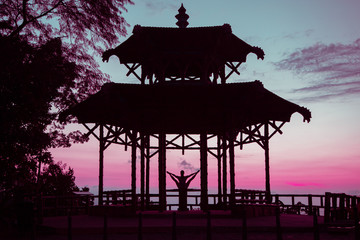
304, 184
336, 68
295, 35
159, 6
184, 165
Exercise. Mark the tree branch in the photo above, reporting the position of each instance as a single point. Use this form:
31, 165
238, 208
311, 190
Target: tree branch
24, 3
26, 22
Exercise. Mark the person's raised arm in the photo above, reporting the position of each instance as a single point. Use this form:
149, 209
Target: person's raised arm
173, 177
193, 175
171, 174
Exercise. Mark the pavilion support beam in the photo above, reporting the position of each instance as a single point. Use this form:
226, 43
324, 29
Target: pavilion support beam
204, 171
162, 171
224, 170
222, 74
147, 141
267, 163
133, 169
101, 163
219, 169
232, 171
142, 171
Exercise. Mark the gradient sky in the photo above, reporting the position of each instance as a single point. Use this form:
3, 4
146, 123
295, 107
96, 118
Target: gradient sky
312, 59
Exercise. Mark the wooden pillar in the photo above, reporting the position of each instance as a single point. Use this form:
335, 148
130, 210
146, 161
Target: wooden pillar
224, 170
142, 170
101, 164
147, 170
143, 75
232, 170
162, 171
222, 74
204, 171
219, 168
204, 78
267, 163
133, 169
327, 207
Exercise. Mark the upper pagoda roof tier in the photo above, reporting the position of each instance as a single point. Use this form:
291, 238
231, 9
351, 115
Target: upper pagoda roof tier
184, 108
183, 51
187, 44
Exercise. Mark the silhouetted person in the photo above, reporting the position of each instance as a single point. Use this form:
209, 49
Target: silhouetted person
182, 182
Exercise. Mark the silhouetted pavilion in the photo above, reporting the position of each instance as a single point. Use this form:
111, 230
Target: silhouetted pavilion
180, 104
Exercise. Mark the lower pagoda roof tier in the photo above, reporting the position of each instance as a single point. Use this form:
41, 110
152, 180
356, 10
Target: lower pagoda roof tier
184, 108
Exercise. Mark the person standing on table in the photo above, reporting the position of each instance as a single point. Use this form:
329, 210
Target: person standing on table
183, 182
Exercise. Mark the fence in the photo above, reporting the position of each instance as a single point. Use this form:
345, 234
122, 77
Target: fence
333, 206
61, 205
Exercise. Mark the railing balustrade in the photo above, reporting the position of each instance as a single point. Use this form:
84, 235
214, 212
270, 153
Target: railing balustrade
333, 206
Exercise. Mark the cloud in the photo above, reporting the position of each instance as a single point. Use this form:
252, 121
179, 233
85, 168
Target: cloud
296, 35
184, 165
159, 6
336, 68
304, 184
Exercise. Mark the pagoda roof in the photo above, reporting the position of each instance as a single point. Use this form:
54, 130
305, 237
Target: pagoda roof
199, 42
179, 108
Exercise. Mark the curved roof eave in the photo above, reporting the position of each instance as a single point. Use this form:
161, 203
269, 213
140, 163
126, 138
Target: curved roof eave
185, 108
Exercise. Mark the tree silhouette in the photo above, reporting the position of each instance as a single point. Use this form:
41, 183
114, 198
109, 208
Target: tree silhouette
47, 64
57, 180
31, 79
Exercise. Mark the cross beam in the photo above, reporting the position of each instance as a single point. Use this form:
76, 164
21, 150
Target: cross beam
214, 144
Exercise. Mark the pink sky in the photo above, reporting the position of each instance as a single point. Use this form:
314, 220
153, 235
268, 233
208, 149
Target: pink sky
312, 59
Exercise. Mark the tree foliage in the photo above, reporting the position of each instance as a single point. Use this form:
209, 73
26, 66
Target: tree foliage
47, 64
86, 27
56, 179
30, 79
88, 23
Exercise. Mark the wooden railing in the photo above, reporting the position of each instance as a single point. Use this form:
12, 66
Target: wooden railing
333, 206
339, 206
307, 204
121, 197
61, 205
246, 196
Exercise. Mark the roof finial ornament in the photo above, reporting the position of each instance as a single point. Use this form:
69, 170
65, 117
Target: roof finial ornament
182, 17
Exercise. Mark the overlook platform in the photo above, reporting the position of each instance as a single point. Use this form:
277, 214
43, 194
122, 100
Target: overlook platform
192, 224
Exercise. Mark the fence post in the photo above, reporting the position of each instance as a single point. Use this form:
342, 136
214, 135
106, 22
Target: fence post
140, 233
208, 228
277, 199
87, 206
342, 214
56, 206
244, 224
316, 225
40, 209
105, 237
278, 226
321, 201
353, 201
327, 207
310, 205
69, 225
174, 226
334, 213
356, 221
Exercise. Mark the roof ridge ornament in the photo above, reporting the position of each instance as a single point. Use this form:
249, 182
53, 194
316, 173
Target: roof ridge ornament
182, 17
227, 28
137, 29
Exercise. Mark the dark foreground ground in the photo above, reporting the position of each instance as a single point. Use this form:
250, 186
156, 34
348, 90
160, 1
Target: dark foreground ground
189, 226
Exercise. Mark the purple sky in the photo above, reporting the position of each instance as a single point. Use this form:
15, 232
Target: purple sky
312, 59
